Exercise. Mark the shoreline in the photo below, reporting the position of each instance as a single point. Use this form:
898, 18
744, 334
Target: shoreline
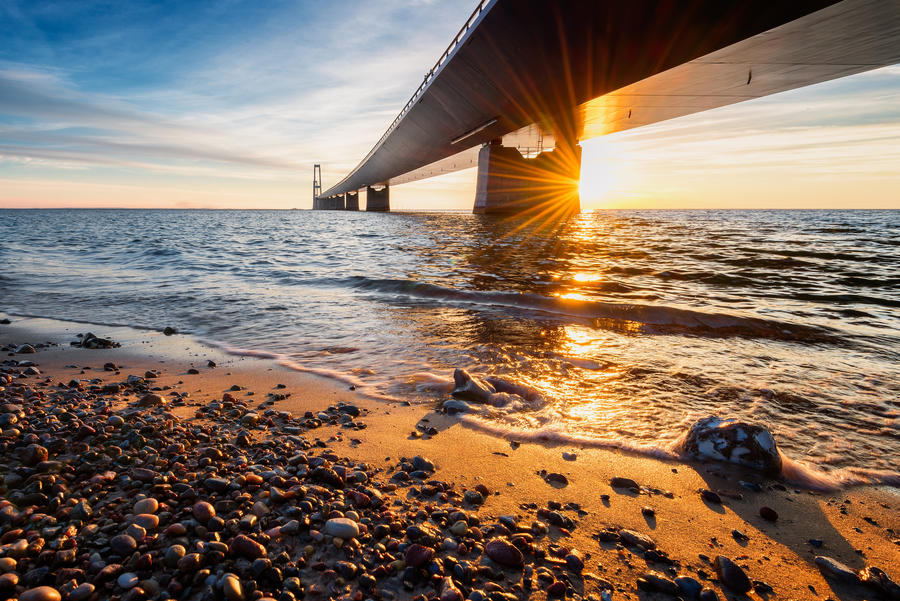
683, 525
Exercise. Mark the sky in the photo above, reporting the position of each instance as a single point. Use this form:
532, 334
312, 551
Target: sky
229, 104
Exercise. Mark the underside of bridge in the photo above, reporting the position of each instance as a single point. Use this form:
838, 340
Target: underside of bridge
539, 75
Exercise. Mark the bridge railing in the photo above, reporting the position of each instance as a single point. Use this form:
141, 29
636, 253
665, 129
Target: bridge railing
433, 71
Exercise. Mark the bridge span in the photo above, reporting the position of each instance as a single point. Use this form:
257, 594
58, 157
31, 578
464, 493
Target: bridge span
525, 80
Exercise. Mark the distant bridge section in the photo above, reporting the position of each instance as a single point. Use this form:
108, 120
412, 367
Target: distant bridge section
524, 80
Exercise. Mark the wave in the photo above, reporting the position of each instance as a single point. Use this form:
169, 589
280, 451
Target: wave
659, 318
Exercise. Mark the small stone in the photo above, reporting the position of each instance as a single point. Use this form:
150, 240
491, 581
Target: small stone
34, 454
25, 349
636, 539
619, 482
688, 586
82, 511
556, 589
151, 400
731, 575
503, 552
123, 544
473, 497
41, 593
648, 511
169, 331
82, 592
422, 463
574, 563
554, 478
767, 513
834, 568
148, 505
657, 582
344, 528
173, 554
190, 563
416, 555
231, 588
708, 594
203, 511
127, 580
147, 521
710, 496
245, 546
876, 579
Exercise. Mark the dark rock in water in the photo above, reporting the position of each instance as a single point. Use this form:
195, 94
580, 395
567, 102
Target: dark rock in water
504, 552
731, 575
169, 331
452, 406
876, 579
834, 568
505, 386
619, 482
468, 388
729, 440
767, 513
5, 321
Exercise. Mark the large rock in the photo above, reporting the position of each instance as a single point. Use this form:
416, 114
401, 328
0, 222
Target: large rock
470, 389
737, 442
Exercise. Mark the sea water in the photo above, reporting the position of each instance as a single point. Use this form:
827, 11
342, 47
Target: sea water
630, 324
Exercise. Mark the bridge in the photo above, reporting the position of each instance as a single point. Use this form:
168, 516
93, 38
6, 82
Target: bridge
525, 80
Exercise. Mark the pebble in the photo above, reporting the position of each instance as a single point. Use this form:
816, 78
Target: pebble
127, 580
344, 528
620, 482
123, 544
148, 505
834, 568
636, 539
767, 513
231, 588
504, 553
203, 511
731, 575
41, 593
82, 592
417, 554
688, 586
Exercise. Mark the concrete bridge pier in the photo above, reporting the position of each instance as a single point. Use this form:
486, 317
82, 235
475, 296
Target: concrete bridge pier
546, 185
351, 201
378, 200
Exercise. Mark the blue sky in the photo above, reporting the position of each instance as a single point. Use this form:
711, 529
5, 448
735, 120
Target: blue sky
230, 104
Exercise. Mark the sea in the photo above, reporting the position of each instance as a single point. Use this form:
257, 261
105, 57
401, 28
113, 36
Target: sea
630, 325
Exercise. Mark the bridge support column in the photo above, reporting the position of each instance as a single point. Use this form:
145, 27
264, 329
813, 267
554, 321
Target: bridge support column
351, 201
378, 200
545, 185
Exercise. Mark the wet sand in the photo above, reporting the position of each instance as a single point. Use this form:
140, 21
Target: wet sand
555, 525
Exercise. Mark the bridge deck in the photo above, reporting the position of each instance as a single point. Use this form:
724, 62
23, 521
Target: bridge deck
606, 66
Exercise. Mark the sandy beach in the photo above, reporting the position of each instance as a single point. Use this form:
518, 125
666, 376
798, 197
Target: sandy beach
179, 471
